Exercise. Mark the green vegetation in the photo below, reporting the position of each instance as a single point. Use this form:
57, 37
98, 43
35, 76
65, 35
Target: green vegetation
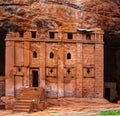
53, 112
108, 113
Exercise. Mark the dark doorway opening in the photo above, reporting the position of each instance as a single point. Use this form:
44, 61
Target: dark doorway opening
107, 93
2, 51
35, 78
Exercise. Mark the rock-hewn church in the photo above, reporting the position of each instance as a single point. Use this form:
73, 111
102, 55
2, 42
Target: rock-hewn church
64, 63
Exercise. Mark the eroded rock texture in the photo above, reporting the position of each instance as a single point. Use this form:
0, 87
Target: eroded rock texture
50, 14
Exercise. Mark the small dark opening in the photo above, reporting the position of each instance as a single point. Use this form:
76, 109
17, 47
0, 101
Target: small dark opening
52, 35
107, 93
70, 35
34, 54
19, 69
2, 51
51, 71
33, 34
51, 55
34, 78
88, 36
68, 56
21, 33
68, 71
88, 71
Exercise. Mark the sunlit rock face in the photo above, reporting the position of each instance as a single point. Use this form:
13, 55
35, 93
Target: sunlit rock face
23, 14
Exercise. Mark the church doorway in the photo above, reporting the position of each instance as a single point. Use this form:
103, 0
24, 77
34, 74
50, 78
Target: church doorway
34, 78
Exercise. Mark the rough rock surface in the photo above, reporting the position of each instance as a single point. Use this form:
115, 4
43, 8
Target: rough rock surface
59, 14
72, 107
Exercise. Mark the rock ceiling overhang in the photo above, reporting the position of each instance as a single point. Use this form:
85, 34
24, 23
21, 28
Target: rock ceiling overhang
60, 14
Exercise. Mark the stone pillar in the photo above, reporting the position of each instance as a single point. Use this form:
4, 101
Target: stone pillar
79, 70
9, 71
61, 71
42, 64
26, 63
99, 68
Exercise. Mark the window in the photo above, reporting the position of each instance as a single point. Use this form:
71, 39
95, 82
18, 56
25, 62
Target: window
19, 69
34, 54
52, 35
33, 34
70, 35
21, 34
88, 36
51, 71
88, 70
68, 71
68, 56
51, 55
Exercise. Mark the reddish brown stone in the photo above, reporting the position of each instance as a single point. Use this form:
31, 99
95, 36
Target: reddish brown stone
64, 64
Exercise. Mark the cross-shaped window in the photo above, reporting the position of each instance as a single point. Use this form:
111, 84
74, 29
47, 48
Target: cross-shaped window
51, 71
68, 71
88, 70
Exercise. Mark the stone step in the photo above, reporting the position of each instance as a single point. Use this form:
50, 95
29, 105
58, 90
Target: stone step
21, 110
21, 107
22, 100
25, 99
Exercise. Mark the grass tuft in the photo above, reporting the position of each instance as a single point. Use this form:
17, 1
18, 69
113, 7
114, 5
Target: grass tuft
107, 113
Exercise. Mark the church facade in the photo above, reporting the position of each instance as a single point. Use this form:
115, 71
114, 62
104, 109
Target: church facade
65, 63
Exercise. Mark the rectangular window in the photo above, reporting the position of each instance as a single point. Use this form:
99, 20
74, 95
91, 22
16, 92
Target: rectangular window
21, 33
33, 34
88, 36
70, 35
52, 35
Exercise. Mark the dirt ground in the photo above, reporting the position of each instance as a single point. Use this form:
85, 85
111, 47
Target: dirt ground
70, 107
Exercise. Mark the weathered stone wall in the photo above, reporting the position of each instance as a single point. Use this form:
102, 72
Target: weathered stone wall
65, 66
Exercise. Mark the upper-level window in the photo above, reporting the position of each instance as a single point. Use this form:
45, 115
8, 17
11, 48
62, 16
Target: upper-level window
88, 36
33, 34
21, 34
52, 35
69, 56
70, 35
51, 55
34, 54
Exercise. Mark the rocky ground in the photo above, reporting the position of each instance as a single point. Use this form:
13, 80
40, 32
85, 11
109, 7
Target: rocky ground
70, 107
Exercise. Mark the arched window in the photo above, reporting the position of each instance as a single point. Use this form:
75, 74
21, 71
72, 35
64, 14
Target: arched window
69, 56
51, 55
34, 54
